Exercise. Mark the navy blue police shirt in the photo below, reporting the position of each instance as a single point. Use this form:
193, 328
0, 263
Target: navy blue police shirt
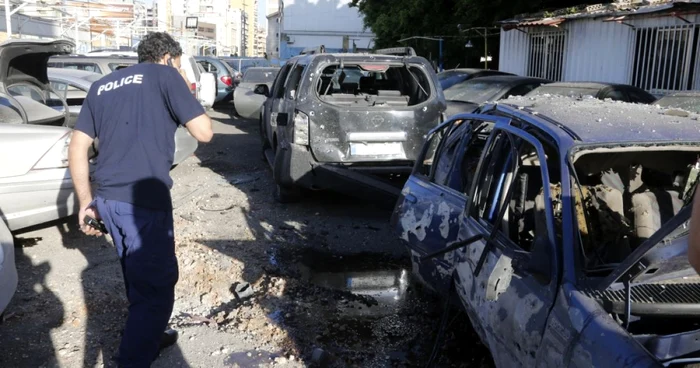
134, 113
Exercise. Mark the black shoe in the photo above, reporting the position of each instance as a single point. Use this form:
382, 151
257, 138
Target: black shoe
169, 338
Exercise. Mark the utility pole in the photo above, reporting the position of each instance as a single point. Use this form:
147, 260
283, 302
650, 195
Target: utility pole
8, 19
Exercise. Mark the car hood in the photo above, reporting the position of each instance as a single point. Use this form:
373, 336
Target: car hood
661, 257
26, 144
28, 60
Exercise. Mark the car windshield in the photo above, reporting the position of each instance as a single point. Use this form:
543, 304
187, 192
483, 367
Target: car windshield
566, 91
260, 75
688, 103
452, 73
474, 91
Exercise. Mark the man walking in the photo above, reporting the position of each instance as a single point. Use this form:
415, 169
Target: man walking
134, 113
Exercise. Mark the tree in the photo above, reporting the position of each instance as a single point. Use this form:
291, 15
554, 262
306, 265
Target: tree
393, 20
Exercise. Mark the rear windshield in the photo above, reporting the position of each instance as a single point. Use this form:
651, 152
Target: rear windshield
260, 75
474, 91
373, 85
687, 103
565, 91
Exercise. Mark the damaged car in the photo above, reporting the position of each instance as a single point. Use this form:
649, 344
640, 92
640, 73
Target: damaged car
561, 227
345, 122
246, 102
599, 90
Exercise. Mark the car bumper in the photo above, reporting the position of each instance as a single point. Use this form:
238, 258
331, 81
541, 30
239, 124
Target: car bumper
8, 270
297, 166
185, 145
224, 95
37, 197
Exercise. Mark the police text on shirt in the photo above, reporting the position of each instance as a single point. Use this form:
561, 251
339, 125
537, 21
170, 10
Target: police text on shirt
135, 79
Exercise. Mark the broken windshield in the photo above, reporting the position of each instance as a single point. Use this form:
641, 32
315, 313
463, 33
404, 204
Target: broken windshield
355, 85
474, 91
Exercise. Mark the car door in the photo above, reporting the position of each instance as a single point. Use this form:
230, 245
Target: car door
506, 272
428, 209
289, 100
208, 87
274, 102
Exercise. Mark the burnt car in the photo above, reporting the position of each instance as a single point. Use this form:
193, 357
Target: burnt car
561, 226
449, 78
686, 100
599, 90
345, 122
466, 96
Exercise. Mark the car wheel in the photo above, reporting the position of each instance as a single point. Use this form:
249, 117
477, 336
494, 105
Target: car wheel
287, 194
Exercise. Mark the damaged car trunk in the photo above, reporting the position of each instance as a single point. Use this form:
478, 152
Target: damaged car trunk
352, 123
567, 243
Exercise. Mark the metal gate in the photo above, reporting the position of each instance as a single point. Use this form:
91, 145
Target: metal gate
547, 50
664, 58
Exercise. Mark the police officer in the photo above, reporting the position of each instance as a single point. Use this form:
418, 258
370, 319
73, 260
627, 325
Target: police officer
134, 113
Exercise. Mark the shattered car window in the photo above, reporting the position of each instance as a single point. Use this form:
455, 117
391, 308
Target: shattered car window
258, 76
622, 198
474, 91
687, 103
373, 85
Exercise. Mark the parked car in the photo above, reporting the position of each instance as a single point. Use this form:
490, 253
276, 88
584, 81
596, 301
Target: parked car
96, 64
686, 100
8, 270
249, 104
323, 131
449, 78
466, 96
561, 226
74, 85
241, 64
203, 84
600, 90
223, 73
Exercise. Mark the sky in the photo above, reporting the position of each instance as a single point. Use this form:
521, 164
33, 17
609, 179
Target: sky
262, 9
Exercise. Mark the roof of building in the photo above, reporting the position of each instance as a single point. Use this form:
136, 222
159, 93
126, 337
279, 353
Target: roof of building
603, 122
616, 11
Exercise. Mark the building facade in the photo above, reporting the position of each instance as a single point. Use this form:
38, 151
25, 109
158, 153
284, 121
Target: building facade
249, 16
653, 47
260, 42
305, 24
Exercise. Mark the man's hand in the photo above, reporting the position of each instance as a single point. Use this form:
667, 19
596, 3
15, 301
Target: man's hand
85, 228
184, 76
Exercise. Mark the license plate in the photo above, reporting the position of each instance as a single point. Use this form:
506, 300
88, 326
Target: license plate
376, 149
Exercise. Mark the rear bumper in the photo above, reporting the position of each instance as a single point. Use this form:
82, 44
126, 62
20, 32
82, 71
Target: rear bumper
8, 270
295, 165
224, 95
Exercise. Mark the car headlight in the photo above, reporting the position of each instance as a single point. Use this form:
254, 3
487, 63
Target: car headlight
301, 128
57, 156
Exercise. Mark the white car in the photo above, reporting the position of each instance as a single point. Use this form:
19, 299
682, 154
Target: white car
203, 83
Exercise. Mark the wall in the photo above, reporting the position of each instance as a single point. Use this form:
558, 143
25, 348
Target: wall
595, 50
273, 28
311, 23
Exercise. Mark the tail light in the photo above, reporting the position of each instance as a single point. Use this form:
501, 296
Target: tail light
193, 88
226, 79
301, 128
57, 156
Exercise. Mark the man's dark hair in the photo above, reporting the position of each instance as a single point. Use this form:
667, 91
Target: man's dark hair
155, 45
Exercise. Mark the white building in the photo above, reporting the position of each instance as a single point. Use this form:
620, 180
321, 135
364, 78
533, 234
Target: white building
653, 47
303, 24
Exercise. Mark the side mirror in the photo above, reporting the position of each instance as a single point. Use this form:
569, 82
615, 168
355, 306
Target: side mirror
262, 89
282, 119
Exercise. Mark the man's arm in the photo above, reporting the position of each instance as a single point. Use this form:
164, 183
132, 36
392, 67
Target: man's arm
200, 128
694, 236
80, 173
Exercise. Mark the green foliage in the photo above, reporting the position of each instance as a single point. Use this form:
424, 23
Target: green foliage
393, 20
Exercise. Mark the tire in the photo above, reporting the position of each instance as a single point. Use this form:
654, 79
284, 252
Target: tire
287, 194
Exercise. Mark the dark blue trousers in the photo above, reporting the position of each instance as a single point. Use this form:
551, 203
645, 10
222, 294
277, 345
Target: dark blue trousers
144, 239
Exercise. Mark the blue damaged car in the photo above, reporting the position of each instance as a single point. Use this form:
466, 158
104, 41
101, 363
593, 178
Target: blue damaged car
561, 227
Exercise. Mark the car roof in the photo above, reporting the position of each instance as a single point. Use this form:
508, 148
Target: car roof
593, 121
683, 94
512, 79
598, 85
355, 57
74, 76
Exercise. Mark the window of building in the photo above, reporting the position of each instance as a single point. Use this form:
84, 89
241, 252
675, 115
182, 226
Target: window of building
664, 58
547, 49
